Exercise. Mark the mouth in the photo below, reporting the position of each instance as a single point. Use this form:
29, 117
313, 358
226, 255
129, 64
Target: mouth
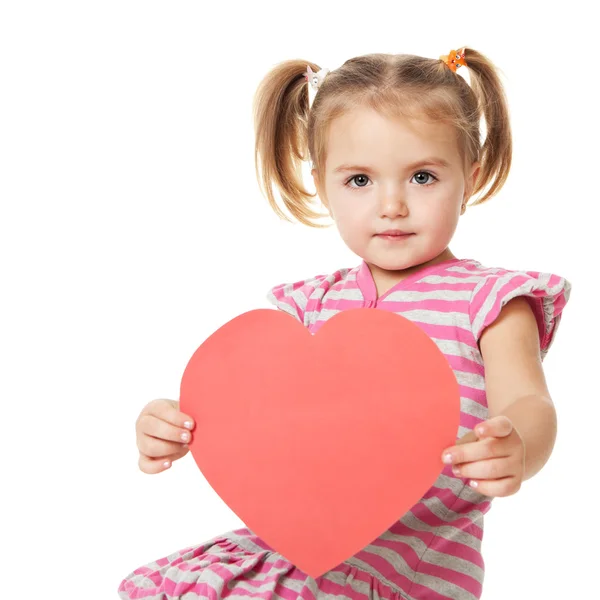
394, 234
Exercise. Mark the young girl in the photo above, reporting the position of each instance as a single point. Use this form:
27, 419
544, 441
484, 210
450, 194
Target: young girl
396, 147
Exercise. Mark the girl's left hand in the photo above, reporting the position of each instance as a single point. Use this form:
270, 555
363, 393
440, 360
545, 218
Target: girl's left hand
493, 460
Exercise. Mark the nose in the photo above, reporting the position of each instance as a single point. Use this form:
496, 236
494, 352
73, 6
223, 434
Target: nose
392, 204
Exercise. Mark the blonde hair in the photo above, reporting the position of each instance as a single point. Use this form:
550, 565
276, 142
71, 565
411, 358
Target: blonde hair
288, 131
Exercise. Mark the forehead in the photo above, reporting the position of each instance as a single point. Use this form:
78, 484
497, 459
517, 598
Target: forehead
363, 134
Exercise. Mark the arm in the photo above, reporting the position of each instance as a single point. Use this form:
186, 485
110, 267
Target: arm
515, 382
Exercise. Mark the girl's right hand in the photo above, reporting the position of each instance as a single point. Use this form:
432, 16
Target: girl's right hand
158, 432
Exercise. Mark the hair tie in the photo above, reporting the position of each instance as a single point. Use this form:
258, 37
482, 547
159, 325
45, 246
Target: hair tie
455, 59
315, 79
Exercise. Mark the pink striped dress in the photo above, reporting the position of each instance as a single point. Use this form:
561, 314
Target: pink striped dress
432, 552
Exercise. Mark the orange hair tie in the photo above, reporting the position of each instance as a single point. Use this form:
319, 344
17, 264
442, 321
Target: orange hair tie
455, 59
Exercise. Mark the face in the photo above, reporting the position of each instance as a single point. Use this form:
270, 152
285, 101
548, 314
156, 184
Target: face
387, 191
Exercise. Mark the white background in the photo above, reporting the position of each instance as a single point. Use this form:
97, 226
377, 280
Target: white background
132, 227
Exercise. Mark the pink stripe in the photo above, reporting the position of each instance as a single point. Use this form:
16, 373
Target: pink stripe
449, 498
473, 394
457, 578
449, 333
559, 304
458, 286
554, 280
342, 304
460, 363
479, 296
470, 421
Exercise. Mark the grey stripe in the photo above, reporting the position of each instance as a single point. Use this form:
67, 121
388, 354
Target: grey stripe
437, 279
284, 306
344, 294
473, 409
434, 317
417, 296
471, 380
459, 488
456, 348
481, 271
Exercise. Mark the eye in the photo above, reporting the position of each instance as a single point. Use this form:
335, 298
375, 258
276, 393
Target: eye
353, 178
417, 173
427, 173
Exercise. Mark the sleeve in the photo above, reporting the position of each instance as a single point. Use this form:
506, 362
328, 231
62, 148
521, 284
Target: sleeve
293, 298
547, 294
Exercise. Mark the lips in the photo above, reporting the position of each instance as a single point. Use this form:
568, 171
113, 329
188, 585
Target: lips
396, 232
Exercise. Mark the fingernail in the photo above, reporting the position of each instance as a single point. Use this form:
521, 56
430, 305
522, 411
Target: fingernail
185, 436
187, 425
448, 458
473, 484
456, 470
166, 464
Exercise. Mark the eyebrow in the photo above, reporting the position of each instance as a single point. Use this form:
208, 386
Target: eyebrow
438, 162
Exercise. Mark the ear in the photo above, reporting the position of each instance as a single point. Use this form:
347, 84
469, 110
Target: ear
469, 185
475, 167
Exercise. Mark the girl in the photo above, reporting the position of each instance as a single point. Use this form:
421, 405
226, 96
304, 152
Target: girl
396, 147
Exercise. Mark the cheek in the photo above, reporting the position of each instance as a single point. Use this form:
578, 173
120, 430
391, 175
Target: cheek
349, 213
446, 225
440, 217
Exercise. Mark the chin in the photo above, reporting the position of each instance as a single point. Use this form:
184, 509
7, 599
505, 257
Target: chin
400, 263
391, 264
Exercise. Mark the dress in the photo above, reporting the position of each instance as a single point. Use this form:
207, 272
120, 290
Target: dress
433, 552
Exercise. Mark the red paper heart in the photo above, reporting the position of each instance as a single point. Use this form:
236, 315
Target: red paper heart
320, 443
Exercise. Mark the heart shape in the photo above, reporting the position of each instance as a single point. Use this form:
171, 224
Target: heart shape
320, 443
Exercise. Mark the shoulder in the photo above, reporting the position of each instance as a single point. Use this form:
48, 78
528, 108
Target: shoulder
545, 293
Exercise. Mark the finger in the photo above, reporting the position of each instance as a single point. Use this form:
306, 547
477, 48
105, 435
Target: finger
448, 453
500, 426
494, 468
156, 465
496, 487
168, 410
156, 427
155, 448
483, 449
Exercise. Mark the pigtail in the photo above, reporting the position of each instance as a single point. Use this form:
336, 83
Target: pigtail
281, 111
496, 154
